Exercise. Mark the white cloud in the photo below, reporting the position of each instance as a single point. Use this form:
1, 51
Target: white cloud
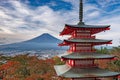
3, 15
52, 3
94, 14
107, 3
19, 7
20, 21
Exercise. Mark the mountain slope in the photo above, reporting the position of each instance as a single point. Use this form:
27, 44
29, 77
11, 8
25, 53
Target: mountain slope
42, 42
44, 38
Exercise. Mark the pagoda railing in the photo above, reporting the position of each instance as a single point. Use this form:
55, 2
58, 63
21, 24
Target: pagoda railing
72, 64
82, 51
85, 66
79, 37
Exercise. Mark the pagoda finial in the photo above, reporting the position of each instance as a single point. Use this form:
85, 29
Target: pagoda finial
81, 12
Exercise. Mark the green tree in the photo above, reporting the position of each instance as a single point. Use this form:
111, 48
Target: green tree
103, 50
115, 64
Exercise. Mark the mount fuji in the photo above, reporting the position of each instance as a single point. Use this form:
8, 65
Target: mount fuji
42, 42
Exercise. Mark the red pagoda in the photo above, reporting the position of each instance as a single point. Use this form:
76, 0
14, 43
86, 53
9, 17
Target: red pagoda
81, 56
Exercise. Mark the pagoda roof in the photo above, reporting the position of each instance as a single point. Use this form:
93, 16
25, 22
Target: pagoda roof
87, 40
70, 28
87, 26
66, 42
69, 72
88, 55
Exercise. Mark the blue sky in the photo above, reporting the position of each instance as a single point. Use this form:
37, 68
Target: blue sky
24, 19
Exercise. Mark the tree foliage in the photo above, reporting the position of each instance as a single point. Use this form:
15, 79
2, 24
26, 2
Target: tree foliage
115, 64
103, 50
25, 67
111, 64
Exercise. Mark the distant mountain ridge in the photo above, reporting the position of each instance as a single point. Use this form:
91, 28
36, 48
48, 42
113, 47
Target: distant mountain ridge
47, 38
42, 42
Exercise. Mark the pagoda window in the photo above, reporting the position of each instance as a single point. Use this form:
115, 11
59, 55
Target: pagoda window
71, 62
73, 47
84, 31
72, 34
83, 34
83, 62
83, 48
80, 44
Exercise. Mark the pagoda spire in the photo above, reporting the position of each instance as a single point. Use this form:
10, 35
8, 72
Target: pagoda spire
81, 13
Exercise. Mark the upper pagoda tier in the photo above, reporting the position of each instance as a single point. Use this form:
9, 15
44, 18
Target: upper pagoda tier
81, 26
85, 41
93, 29
83, 55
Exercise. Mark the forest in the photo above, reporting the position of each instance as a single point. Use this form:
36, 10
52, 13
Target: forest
25, 67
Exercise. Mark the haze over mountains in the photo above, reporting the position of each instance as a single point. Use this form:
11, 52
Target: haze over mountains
42, 42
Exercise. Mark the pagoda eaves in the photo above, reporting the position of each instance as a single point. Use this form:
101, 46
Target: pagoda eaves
80, 73
87, 41
92, 28
93, 55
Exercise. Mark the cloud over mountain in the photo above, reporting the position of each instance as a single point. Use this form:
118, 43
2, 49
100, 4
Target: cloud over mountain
25, 19
42, 42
